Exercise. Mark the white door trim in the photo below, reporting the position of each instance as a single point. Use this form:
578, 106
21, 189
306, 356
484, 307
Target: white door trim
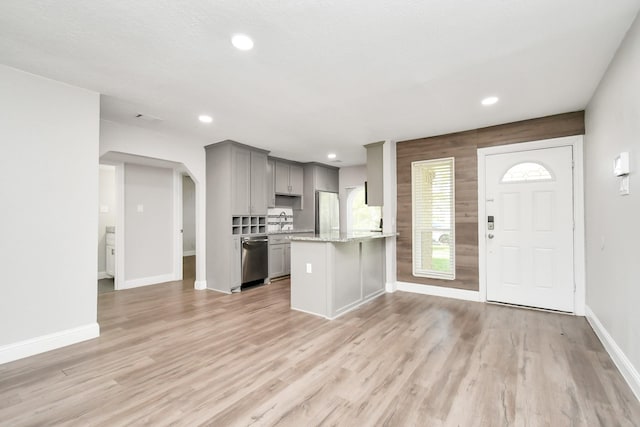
576, 142
177, 225
119, 279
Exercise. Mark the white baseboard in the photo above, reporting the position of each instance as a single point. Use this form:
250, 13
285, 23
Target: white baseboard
146, 281
189, 253
103, 275
308, 312
218, 290
200, 285
626, 368
37, 345
391, 287
439, 291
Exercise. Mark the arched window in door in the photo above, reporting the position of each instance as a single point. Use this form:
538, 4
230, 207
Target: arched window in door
527, 171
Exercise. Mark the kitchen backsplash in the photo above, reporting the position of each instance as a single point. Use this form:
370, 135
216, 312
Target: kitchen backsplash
279, 219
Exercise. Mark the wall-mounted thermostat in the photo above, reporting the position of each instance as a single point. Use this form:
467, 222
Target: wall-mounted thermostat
621, 164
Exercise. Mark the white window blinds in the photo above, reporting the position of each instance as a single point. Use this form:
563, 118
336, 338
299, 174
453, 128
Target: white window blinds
433, 201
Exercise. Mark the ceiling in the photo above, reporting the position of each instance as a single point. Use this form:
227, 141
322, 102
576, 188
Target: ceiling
324, 75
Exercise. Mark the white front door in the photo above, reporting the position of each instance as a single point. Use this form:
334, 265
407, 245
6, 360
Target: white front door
529, 258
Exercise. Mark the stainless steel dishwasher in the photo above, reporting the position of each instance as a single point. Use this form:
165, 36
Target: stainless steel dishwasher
255, 259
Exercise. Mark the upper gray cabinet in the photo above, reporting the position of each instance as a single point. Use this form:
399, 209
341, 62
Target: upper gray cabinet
248, 181
296, 179
258, 195
375, 193
326, 179
240, 181
271, 183
289, 179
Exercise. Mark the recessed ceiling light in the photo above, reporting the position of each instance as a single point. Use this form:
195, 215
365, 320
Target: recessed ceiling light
331, 156
490, 100
242, 42
205, 119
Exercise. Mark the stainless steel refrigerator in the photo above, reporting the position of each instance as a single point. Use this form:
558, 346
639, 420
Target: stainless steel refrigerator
327, 212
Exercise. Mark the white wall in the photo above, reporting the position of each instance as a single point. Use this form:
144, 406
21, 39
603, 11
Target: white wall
107, 201
116, 137
188, 216
349, 177
49, 139
148, 233
612, 228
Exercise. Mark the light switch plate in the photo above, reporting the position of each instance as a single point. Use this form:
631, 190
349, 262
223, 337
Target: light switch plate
104, 209
140, 208
621, 164
308, 267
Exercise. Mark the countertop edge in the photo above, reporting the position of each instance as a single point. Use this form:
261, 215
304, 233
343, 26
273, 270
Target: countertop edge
279, 233
337, 239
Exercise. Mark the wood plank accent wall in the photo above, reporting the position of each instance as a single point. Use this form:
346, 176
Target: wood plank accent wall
463, 146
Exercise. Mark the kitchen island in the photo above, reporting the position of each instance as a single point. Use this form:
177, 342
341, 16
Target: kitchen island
335, 272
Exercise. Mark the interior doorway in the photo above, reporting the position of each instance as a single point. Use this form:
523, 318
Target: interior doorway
188, 228
107, 218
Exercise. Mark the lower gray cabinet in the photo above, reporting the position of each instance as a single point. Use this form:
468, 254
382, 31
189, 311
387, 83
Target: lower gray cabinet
287, 258
276, 260
279, 255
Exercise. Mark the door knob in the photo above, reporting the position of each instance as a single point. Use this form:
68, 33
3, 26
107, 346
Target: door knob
490, 236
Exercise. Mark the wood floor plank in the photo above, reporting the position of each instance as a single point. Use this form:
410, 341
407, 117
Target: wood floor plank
170, 355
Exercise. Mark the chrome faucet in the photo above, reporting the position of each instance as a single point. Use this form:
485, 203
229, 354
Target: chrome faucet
281, 219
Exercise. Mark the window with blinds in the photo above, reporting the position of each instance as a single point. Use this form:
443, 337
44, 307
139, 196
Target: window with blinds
433, 201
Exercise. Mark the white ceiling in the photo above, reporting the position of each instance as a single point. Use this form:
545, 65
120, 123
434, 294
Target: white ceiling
325, 75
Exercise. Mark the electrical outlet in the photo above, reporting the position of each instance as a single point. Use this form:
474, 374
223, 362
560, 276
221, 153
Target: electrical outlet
624, 186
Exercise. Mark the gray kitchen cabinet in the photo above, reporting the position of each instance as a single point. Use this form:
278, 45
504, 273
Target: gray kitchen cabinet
236, 263
276, 260
296, 179
317, 177
271, 183
236, 206
326, 179
289, 179
287, 258
240, 181
375, 192
282, 178
279, 255
258, 177
249, 182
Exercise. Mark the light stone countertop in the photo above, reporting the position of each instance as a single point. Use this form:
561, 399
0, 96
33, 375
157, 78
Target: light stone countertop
297, 231
340, 237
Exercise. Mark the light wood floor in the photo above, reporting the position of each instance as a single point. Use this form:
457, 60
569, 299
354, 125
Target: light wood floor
171, 355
